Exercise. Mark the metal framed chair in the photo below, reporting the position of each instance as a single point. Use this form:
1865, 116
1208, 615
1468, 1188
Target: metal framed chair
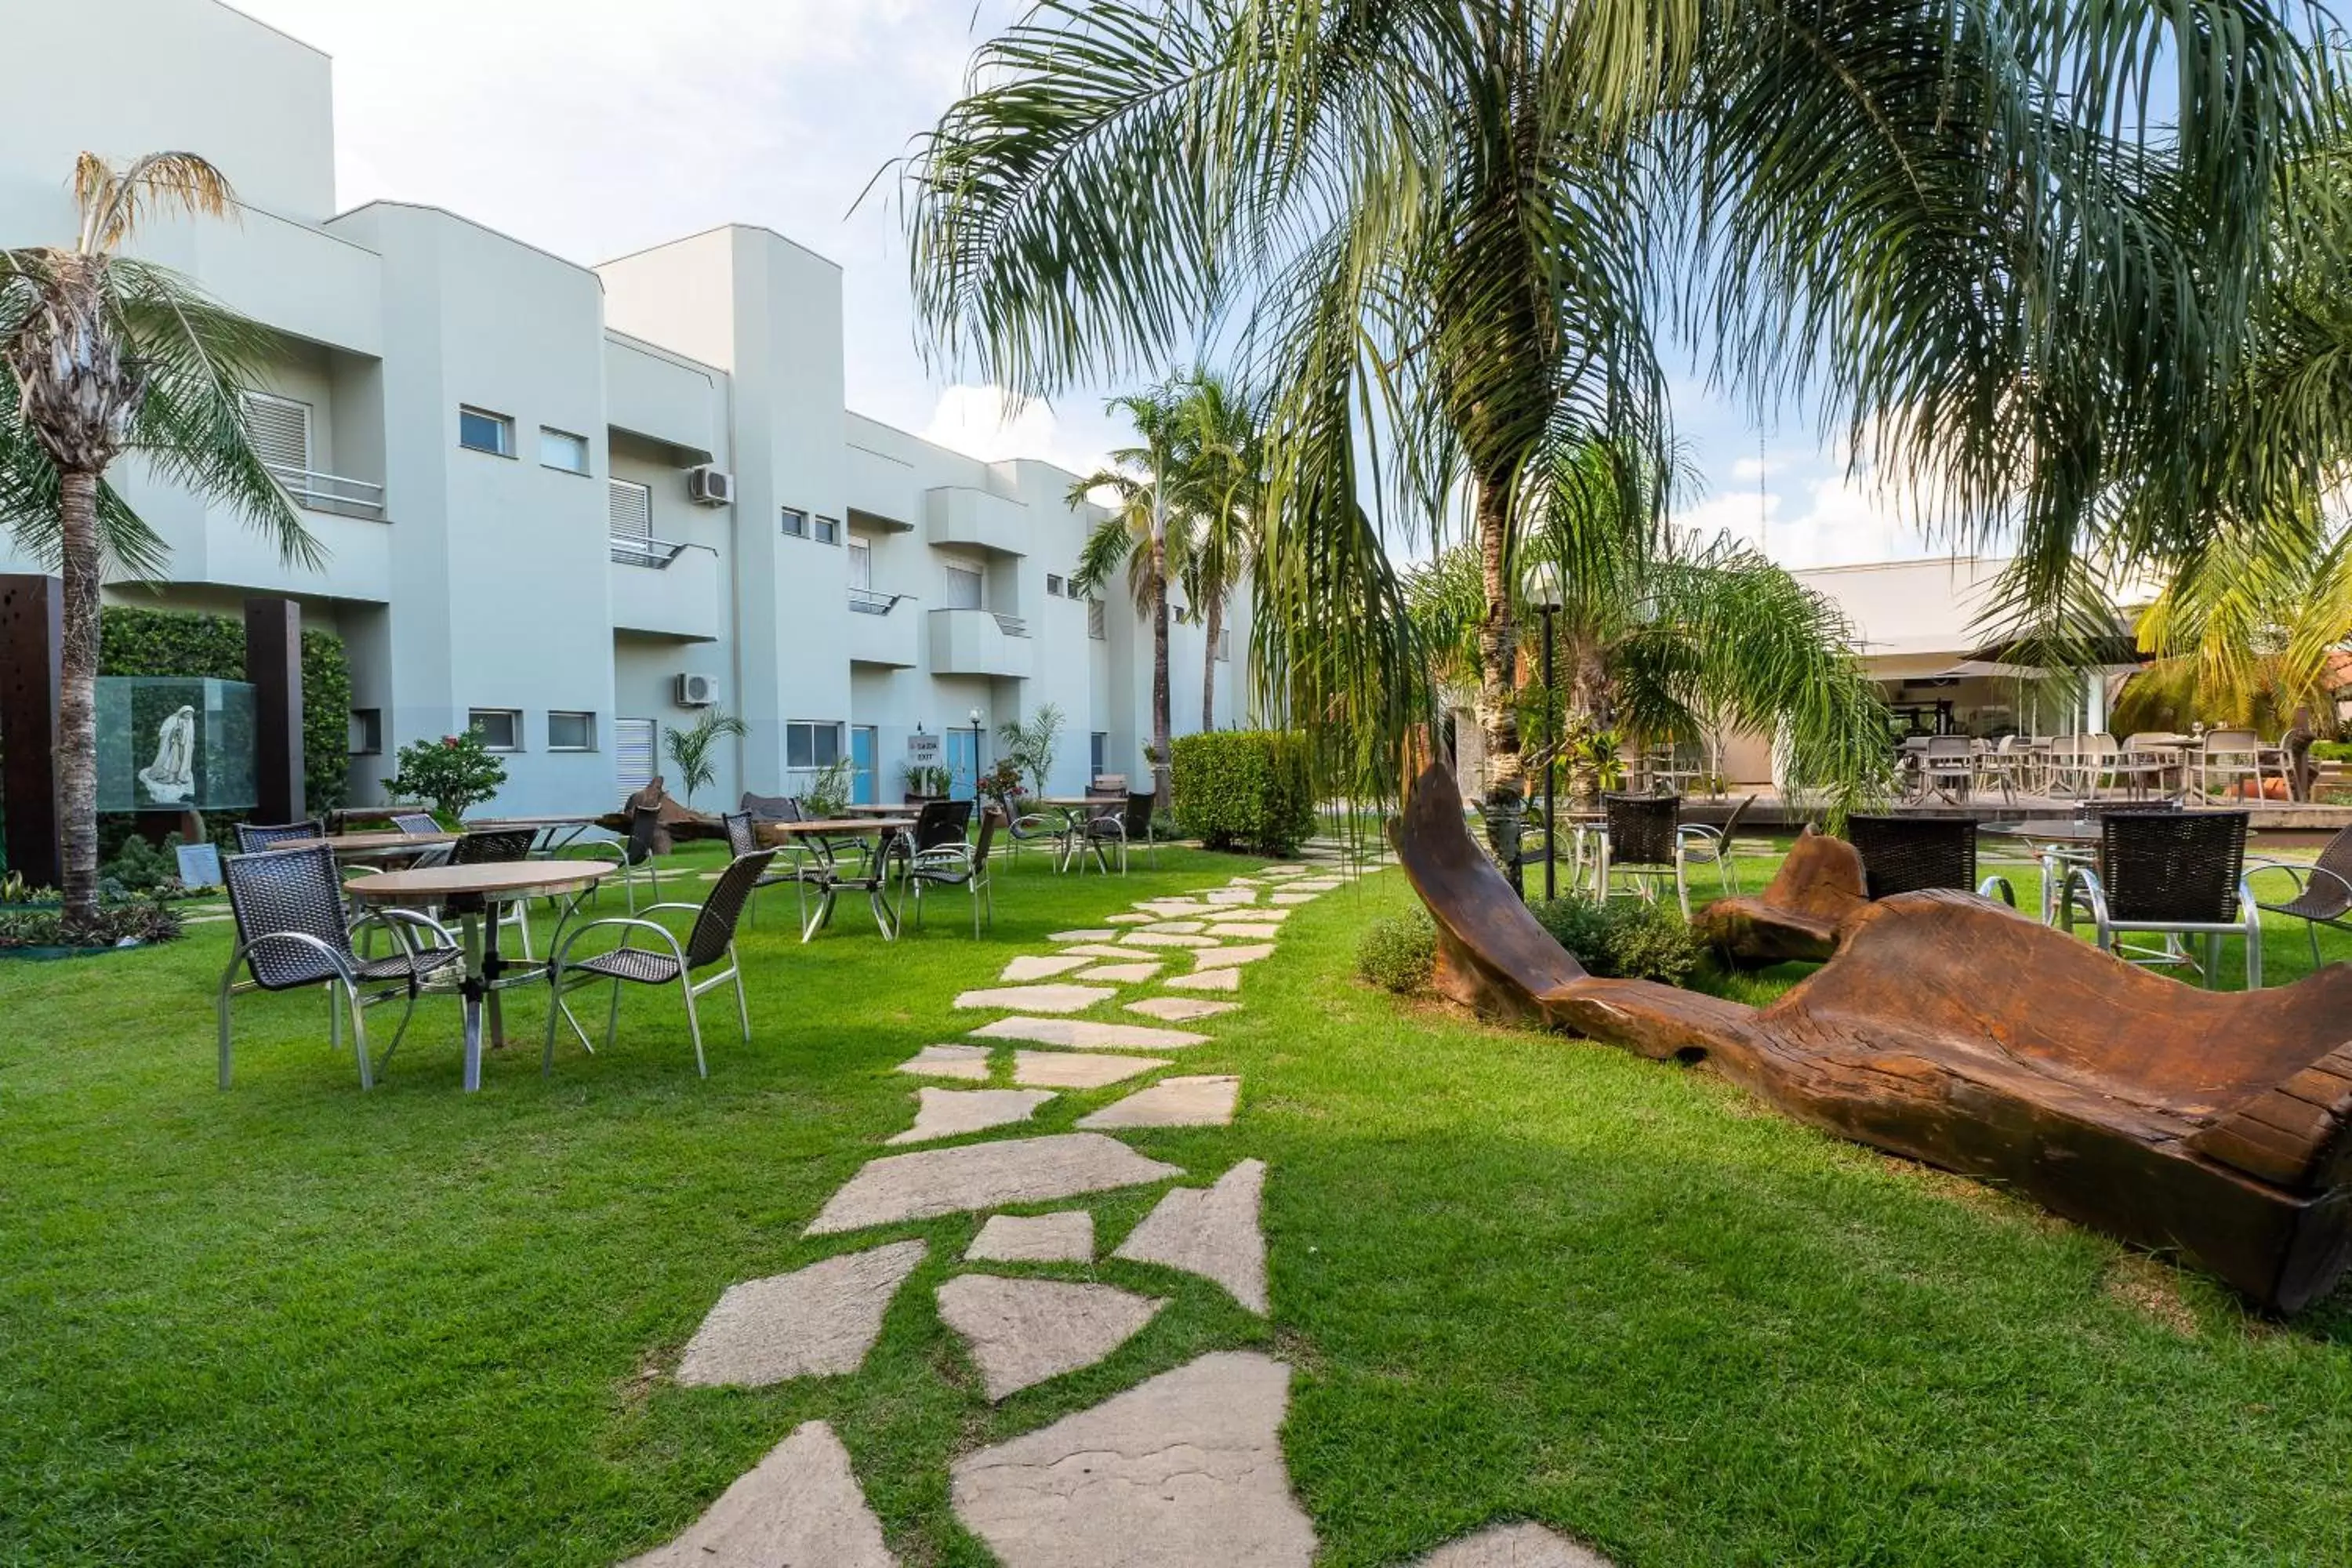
1947, 767
291, 934
958, 864
634, 857
1705, 845
2236, 758
1908, 854
415, 822
2172, 873
743, 838
671, 961
2323, 889
1647, 845
253, 837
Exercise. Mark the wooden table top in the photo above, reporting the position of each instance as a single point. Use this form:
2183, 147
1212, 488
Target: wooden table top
527, 877
878, 810
1072, 802
368, 843
496, 822
833, 825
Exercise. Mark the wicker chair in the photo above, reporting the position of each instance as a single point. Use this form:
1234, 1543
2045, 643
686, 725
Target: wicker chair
1646, 844
2323, 891
253, 837
2175, 873
1119, 823
711, 939
958, 864
802, 870
415, 822
291, 934
634, 857
1706, 846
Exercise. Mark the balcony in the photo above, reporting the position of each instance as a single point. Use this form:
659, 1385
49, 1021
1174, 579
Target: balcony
316, 491
956, 514
976, 642
882, 630
663, 588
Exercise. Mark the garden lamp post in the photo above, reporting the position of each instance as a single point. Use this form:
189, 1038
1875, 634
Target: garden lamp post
1542, 591
975, 759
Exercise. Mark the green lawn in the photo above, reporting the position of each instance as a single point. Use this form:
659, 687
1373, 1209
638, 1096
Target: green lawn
1517, 1276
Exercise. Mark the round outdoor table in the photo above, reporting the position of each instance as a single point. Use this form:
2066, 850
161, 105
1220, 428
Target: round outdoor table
2059, 841
1074, 809
472, 892
872, 882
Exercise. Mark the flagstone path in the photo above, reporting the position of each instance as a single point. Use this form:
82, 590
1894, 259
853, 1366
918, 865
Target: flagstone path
1513, 1546
938, 1182
1211, 1232
1022, 1331
818, 1321
798, 1505
1204, 1101
1066, 1235
951, 1113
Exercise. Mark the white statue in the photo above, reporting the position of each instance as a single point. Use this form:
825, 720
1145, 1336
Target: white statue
172, 780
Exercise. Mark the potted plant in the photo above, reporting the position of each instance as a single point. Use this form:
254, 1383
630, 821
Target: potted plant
927, 782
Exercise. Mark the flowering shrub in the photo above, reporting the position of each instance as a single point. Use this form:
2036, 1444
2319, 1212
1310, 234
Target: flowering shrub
1002, 784
452, 773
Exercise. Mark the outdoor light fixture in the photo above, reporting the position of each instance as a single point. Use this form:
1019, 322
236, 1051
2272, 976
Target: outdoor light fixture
1540, 587
975, 759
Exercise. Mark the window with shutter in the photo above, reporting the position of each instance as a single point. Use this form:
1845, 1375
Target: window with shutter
632, 753
279, 431
963, 588
632, 509
1096, 627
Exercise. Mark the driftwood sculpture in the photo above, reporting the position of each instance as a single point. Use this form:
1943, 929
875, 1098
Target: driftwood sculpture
1952, 1030
1796, 917
676, 821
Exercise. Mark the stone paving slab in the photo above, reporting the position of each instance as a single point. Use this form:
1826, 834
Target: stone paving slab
1178, 928
1167, 938
1130, 920
1182, 1471
1226, 979
970, 1062
1038, 999
1024, 1332
1079, 1069
951, 1113
1177, 909
1248, 930
1206, 1100
1120, 973
1289, 897
1111, 951
1210, 1231
1076, 1035
1318, 885
1091, 934
1226, 957
1034, 966
1513, 1546
798, 1505
817, 1321
1182, 1009
1230, 896
1066, 1235
933, 1182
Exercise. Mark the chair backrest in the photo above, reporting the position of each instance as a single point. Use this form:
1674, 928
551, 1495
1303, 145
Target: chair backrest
941, 822
2233, 741
769, 807
1642, 829
990, 821
1138, 816
287, 890
742, 838
1731, 822
2173, 866
252, 836
415, 822
714, 927
492, 846
1950, 749
2091, 810
1908, 854
2336, 860
1107, 784
2144, 742
643, 826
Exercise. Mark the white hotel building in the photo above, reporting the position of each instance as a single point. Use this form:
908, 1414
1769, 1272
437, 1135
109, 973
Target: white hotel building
574, 504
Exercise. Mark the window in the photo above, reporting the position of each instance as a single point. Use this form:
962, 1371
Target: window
812, 745
1053, 585
501, 727
481, 431
1224, 646
571, 731
827, 530
632, 753
1097, 753
279, 429
963, 588
367, 731
562, 449
630, 507
861, 564
796, 522
1096, 627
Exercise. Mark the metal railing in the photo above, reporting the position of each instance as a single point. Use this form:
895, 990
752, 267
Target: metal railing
643, 550
866, 602
316, 491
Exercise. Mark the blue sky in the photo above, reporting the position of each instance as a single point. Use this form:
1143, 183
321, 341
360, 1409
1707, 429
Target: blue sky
593, 128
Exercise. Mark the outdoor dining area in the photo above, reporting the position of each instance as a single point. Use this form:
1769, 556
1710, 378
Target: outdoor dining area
2206, 765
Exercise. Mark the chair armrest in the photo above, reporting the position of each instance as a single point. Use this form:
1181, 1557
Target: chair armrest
649, 909
1990, 885
300, 939
397, 918
555, 959
2094, 890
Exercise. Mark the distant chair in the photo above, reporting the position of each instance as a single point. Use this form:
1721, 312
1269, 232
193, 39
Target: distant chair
2323, 891
1909, 854
2232, 759
743, 838
253, 837
636, 857
2175, 873
1647, 845
291, 934
711, 940
494, 846
1108, 785
958, 864
1704, 845
1948, 766
415, 822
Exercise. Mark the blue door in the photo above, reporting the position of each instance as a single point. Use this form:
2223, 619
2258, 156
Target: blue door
963, 763
861, 761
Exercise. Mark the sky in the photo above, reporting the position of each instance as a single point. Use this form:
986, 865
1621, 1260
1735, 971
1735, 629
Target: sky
595, 128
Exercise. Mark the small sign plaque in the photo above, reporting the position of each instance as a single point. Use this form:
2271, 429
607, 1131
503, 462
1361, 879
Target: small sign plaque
922, 748
200, 865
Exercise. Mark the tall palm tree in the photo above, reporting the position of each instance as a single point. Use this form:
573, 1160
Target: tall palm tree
1222, 462
1148, 532
107, 355
1974, 230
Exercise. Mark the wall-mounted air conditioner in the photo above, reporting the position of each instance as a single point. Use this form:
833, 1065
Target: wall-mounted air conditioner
696, 690
710, 487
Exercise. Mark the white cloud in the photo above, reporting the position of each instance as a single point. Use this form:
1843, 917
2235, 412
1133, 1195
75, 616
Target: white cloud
981, 422
1825, 520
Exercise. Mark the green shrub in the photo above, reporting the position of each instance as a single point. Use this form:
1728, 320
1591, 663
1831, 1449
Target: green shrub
1623, 939
452, 774
2331, 751
1398, 952
1246, 789
139, 867
133, 920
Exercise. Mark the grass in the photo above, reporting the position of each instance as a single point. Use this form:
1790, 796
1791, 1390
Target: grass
1518, 1276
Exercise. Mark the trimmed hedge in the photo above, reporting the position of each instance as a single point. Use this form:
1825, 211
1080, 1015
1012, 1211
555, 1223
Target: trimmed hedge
133, 641
1248, 789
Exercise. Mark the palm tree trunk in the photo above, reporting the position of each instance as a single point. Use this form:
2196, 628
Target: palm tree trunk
77, 762
1160, 758
1498, 649
1216, 625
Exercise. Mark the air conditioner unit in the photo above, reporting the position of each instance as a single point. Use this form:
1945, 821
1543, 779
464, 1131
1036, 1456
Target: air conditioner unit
696, 690
710, 487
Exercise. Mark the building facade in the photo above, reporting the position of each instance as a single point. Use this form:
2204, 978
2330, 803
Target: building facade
577, 507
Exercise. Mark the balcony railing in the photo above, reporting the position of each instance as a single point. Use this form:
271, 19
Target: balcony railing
315, 492
1012, 626
643, 550
866, 602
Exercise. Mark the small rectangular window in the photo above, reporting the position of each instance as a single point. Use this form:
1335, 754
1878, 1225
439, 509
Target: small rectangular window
633, 760
1097, 753
963, 588
796, 522
278, 430
1096, 628
812, 745
629, 507
861, 564
571, 731
1053, 584
367, 731
562, 449
500, 728
1224, 646
827, 530
478, 430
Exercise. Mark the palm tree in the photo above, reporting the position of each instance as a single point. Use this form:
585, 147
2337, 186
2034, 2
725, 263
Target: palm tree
1147, 531
1436, 235
109, 355
1222, 462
